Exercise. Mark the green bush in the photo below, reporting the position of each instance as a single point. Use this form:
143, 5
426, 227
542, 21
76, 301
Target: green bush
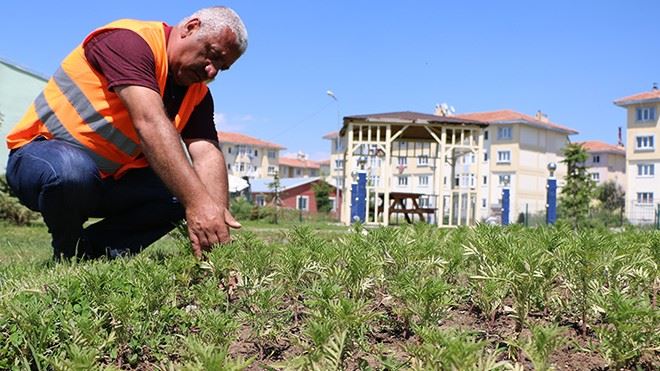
240, 208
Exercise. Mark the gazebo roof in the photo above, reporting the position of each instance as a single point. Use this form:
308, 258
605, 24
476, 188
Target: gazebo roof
410, 118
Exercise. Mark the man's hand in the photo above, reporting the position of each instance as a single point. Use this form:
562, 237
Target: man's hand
209, 225
209, 164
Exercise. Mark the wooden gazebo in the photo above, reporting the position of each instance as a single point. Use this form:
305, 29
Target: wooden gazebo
419, 166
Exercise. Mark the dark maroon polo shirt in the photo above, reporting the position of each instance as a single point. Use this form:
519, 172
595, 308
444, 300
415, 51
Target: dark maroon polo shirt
124, 58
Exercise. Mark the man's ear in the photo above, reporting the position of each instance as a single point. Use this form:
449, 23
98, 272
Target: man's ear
190, 27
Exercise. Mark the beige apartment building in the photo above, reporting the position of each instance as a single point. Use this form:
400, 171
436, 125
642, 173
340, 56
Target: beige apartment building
519, 147
249, 156
606, 162
298, 167
642, 155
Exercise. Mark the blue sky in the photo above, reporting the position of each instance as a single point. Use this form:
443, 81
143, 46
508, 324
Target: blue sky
570, 59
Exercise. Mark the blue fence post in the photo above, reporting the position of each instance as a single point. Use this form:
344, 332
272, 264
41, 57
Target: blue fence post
551, 198
506, 204
359, 198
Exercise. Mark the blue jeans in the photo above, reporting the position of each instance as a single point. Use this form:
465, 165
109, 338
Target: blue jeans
63, 183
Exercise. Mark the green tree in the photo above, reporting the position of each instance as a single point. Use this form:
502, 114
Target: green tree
578, 190
611, 203
276, 187
322, 193
611, 196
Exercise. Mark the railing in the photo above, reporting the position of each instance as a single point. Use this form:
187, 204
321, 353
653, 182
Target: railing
643, 213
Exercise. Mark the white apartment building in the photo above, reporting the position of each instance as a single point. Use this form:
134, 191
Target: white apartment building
606, 162
520, 147
249, 156
298, 167
642, 155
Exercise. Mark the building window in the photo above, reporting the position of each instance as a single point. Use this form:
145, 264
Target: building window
595, 177
485, 179
403, 161
340, 182
595, 159
402, 145
339, 164
229, 149
228, 166
645, 113
423, 180
485, 156
485, 134
503, 157
504, 132
272, 154
256, 153
644, 142
483, 202
646, 170
333, 202
260, 200
403, 180
645, 197
299, 172
302, 203
422, 160
241, 167
271, 170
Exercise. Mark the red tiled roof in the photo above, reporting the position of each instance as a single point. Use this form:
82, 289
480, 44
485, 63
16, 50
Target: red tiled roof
645, 97
236, 138
509, 116
598, 146
294, 162
323, 162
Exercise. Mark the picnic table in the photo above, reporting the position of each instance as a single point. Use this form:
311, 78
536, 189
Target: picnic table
398, 204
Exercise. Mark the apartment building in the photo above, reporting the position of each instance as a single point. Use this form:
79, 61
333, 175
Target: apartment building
249, 156
337, 149
298, 167
606, 162
18, 89
519, 147
642, 155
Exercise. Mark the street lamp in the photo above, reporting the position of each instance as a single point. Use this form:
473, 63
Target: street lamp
359, 192
551, 196
332, 95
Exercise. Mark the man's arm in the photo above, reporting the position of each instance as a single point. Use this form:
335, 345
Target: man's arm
209, 164
162, 147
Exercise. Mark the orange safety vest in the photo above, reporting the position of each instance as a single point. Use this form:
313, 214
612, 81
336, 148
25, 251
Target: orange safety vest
77, 107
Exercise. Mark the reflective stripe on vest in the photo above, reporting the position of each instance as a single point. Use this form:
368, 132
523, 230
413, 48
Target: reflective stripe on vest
55, 127
91, 117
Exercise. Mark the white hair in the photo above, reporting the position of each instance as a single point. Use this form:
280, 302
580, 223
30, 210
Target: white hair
215, 19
